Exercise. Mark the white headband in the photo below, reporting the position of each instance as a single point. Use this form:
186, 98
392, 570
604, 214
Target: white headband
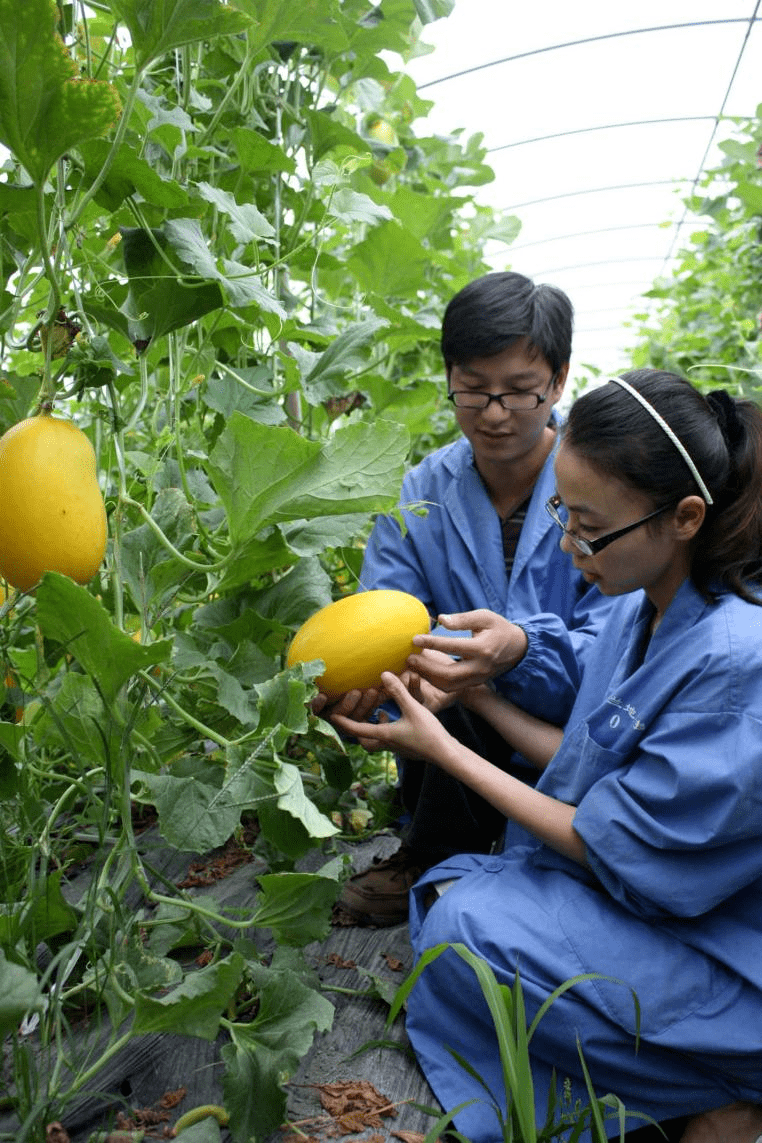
663, 424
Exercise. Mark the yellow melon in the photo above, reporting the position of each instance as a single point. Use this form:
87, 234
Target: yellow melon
52, 516
358, 637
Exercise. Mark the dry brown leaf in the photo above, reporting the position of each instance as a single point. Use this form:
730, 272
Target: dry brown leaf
56, 1133
355, 1105
173, 1098
394, 963
339, 962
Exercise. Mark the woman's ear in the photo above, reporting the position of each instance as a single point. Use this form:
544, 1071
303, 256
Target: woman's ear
689, 516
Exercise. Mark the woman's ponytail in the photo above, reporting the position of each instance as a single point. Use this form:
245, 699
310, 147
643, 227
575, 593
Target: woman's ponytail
729, 548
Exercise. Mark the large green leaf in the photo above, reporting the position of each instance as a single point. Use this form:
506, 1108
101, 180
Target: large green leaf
19, 994
47, 915
270, 475
264, 1054
158, 26
162, 297
193, 1008
296, 906
316, 22
389, 261
199, 807
70, 615
127, 175
75, 722
45, 109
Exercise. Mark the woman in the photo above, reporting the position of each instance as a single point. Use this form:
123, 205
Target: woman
639, 853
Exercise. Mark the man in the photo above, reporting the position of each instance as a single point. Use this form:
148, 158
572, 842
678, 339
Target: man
485, 542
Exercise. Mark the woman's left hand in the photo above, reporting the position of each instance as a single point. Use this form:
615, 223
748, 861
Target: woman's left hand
416, 733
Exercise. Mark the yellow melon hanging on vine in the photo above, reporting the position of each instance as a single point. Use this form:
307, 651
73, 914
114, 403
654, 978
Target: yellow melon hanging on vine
52, 516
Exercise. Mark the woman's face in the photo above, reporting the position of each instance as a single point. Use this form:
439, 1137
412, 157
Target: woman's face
652, 557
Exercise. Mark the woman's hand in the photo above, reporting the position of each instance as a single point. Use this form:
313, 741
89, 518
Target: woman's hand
422, 689
496, 646
417, 733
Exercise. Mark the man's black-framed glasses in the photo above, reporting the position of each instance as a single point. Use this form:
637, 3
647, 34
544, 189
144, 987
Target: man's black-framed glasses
511, 401
592, 547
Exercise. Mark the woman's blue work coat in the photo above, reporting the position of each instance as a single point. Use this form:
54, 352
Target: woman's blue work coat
452, 560
663, 760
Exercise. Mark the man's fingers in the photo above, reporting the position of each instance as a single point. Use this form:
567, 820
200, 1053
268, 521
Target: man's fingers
444, 644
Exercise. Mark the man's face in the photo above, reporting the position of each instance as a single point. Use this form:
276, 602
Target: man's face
503, 436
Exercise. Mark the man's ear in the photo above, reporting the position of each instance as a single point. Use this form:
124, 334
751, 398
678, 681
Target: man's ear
560, 381
689, 516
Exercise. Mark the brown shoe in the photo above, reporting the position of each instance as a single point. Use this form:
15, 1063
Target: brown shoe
379, 896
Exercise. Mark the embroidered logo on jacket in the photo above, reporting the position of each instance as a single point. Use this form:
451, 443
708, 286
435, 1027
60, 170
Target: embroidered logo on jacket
628, 710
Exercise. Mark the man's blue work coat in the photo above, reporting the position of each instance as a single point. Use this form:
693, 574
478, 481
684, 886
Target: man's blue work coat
452, 560
663, 759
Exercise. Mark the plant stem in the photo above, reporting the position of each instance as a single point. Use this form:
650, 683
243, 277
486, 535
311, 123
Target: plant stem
204, 731
186, 561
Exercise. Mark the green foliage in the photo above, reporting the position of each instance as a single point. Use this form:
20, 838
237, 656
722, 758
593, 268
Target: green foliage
213, 264
506, 1007
708, 320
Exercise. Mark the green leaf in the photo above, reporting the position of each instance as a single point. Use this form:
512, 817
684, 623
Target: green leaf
76, 723
343, 354
45, 109
207, 1130
256, 154
246, 222
264, 1054
158, 26
751, 195
240, 286
352, 206
293, 799
45, 917
269, 475
19, 994
162, 296
390, 261
296, 906
193, 1008
198, 809
17, 199
430, 10
69, 614
128, 175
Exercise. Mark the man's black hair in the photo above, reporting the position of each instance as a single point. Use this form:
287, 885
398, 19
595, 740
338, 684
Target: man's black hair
492, 312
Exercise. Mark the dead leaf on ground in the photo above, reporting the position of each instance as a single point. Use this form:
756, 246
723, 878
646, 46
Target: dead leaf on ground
339, 962
355, 1105
56, 1133
171, 1099
217, 866
393, 962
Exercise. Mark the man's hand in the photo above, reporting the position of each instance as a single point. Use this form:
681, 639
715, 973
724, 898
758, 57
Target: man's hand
354, 704
496, 646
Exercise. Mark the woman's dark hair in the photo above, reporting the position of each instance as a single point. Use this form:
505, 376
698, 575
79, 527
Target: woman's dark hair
489, 314
723, 437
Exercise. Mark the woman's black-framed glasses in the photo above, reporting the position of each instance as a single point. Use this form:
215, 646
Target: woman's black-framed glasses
511, 401
592, 547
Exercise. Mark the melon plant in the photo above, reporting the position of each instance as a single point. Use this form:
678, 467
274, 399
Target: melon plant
199, 273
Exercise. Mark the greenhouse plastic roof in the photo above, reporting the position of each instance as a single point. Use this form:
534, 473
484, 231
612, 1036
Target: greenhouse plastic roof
598, 118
